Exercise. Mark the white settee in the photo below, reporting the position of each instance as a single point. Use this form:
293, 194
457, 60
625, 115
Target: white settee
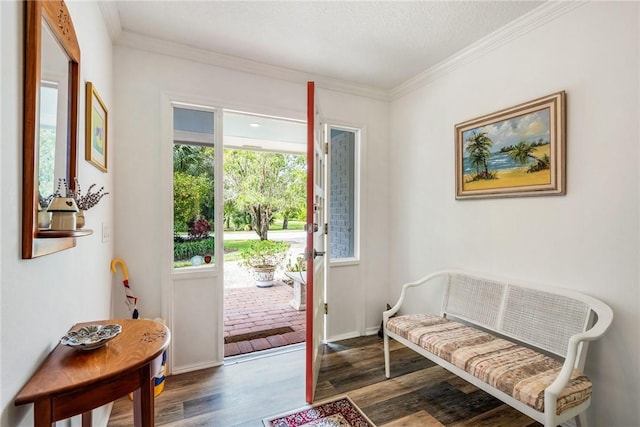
524, 344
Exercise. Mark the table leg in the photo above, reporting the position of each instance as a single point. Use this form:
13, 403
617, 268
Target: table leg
143, 399
43, 413
87, 419
137, 416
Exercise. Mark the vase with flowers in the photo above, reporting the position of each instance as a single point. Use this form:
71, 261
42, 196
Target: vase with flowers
84, 201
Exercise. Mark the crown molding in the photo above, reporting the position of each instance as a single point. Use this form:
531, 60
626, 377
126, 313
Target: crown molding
512, 31
177, 50
111, 17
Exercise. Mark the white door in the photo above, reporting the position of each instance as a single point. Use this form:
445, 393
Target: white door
316, 219
194, 300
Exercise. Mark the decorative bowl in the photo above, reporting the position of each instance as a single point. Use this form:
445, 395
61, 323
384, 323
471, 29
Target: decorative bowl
91, 337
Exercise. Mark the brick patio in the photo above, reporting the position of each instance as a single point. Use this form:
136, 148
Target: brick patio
249, 309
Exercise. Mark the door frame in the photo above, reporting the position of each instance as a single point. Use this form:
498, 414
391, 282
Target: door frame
214, 273
168, 99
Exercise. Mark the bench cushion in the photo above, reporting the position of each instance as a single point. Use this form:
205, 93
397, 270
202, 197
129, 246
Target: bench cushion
513, 369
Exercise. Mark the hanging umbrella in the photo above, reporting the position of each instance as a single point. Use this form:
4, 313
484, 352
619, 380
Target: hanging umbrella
131, 300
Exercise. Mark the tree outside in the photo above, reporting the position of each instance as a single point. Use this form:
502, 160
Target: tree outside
258, 187
193, 184
264, 185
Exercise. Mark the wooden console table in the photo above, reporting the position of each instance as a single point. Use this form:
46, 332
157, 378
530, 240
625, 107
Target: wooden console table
71, 382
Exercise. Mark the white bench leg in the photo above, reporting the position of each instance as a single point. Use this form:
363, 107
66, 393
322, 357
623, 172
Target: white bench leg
387, 368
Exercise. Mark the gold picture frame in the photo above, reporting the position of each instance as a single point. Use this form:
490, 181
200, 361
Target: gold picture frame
96, 130
518, 151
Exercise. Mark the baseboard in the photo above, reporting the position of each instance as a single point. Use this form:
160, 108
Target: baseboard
372, 331
349, 335
342, 337
190, 368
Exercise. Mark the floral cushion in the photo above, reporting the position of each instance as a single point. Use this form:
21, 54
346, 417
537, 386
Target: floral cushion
513, 369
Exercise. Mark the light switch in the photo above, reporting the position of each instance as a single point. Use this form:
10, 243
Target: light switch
106, 233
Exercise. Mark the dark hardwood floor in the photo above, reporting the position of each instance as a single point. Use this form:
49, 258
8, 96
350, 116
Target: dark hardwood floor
244, 393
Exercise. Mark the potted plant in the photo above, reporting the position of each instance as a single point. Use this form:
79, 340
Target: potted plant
296, 269
263, 257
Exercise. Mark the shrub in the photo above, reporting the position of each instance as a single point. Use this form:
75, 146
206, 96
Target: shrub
184, 248
297, 265
199, 229
264, 252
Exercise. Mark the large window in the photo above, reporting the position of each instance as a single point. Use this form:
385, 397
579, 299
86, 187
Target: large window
193, 187
343, 190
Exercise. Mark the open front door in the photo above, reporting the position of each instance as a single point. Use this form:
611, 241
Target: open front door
315, 242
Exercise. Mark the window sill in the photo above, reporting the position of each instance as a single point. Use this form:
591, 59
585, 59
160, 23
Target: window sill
347, 262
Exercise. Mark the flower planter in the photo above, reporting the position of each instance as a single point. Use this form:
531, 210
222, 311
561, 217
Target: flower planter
263, 275
299, 301
262, 257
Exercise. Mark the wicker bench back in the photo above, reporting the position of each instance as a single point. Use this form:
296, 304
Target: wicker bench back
543, 319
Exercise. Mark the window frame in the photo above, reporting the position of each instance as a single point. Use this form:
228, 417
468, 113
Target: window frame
214, 140
357, 188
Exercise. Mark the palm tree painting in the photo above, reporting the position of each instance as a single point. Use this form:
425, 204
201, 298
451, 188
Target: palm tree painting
512, 152
478, 148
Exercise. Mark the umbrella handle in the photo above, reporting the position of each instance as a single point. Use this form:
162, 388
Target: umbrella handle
114, 264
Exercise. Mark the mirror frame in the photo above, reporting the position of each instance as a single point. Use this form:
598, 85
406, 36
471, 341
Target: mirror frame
36, 242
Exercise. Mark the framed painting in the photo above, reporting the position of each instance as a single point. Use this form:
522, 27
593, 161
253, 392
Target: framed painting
518, 151
96, 129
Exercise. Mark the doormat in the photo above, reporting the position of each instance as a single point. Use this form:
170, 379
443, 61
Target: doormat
336, 413
256, 335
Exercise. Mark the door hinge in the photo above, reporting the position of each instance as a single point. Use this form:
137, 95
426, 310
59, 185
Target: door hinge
326, 228
326, 308
326, 148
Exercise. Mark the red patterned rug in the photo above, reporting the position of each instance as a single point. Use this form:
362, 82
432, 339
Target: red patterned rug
337, 413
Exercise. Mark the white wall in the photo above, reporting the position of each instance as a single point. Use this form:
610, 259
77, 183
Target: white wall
141, 80
42, 298
587, 240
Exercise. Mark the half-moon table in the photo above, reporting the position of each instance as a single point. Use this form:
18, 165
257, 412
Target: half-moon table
71, 382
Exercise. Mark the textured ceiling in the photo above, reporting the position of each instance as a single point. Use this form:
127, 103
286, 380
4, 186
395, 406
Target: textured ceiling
378, 44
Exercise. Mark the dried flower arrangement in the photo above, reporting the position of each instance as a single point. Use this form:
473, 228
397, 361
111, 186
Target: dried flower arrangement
84, 202
43, 201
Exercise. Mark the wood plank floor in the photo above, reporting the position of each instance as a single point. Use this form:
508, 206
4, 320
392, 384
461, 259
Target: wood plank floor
244, 393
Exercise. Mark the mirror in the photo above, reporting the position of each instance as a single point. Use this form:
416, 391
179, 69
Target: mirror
51, 89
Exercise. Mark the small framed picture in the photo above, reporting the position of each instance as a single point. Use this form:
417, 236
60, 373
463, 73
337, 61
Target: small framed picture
519, 151
96, 129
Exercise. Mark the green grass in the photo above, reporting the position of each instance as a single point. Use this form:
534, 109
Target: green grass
294, 225
276, 225
232, 249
